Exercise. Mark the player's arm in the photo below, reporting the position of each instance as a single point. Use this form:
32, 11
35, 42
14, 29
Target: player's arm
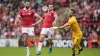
67, 25
17, 19
36, 15
55, 21
39, 21
64, 26
61, 27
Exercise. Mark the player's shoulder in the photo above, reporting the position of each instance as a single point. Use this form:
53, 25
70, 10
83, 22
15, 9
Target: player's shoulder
31, 9
53, 12
73, 18
21, 10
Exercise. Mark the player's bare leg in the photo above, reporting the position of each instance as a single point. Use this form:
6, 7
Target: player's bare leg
25, 38
31, 38
40, 44
76, 46
50, 46
73, 49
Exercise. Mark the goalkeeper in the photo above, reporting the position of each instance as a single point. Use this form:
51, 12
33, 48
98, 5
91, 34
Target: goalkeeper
76, 31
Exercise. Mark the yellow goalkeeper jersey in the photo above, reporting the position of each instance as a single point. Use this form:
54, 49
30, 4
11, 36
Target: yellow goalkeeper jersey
72, 22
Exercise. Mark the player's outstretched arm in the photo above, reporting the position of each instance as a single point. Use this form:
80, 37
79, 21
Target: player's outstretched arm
54, 28
65, 25
61, 27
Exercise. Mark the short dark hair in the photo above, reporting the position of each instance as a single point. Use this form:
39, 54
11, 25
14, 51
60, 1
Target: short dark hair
50, 4
72, 10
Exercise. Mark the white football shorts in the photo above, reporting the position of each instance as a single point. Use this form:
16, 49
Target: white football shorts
47, 31
28, 30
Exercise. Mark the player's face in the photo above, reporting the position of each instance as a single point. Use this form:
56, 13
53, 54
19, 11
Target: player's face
51, 7
70, 13
27, 5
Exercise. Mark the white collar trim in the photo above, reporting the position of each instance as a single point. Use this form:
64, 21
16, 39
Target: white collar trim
26, 9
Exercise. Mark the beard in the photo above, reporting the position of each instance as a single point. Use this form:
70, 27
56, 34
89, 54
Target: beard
27, 7
69, 15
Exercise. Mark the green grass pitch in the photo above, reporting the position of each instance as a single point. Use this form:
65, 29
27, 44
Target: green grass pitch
20, 51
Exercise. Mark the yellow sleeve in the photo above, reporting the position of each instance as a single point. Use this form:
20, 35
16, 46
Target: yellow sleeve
70, 22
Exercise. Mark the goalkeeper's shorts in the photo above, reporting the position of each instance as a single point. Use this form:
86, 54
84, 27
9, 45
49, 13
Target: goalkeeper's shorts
76, 39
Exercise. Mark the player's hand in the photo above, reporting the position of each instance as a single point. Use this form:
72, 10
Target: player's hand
54, 23
32, 25
54, 28
15, 24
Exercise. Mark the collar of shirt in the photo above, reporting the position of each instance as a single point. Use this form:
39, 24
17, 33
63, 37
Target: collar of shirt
27, 9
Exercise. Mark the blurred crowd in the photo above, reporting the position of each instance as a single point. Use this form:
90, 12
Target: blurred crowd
87, 13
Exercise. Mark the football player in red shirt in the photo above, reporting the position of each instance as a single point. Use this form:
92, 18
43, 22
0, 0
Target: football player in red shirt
49, 20
26, 15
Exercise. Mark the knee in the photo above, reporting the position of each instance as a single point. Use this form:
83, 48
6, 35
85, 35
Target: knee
41, 37
73, 46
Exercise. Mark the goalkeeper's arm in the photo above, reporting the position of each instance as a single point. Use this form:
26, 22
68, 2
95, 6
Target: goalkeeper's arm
64, 26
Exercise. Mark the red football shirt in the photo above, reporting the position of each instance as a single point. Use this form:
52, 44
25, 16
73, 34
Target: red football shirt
27, 17
48, 19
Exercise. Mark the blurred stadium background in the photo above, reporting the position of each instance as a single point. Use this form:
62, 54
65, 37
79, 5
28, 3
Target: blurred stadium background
87, 13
